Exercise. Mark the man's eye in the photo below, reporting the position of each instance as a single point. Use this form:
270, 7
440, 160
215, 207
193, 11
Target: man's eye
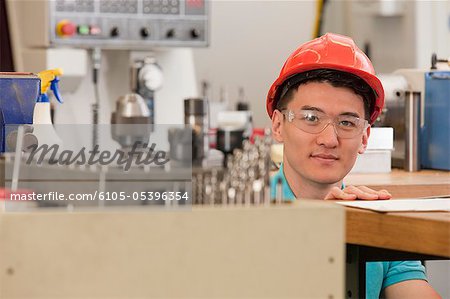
311, 118
347, 123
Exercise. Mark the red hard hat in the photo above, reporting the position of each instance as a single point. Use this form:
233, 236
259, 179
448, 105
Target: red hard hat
330, 51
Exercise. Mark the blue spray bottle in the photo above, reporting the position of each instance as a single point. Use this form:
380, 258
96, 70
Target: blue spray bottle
42, 122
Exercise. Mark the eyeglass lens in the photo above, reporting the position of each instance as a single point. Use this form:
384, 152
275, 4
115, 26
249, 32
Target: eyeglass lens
314, 122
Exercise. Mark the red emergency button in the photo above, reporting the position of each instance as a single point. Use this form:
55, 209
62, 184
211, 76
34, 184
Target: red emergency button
65, 28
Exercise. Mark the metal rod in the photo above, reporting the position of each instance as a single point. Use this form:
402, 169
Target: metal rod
412, 127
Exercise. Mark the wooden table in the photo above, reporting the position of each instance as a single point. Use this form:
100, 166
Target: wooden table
373, 236
424, 233
403, 184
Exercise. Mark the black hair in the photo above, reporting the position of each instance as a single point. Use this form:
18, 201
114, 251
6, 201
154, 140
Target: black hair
335, 78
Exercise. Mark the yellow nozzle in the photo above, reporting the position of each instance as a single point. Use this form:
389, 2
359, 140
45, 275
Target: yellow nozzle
47, 77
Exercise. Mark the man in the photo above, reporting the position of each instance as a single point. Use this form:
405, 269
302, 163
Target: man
321, 106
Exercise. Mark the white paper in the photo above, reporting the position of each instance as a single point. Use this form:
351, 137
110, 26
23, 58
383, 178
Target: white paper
401, 205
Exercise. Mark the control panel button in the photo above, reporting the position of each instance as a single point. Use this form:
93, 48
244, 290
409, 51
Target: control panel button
170, 33
114, 32
83, 30
195, 33
65, 28
144, 32
95, 30
195, 3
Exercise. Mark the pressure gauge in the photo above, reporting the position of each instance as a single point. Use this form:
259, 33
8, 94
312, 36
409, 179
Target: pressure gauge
150, 76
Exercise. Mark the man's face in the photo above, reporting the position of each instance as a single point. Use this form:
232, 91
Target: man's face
324, 157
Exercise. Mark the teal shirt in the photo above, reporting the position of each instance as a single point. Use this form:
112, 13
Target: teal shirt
288, 195
379, 275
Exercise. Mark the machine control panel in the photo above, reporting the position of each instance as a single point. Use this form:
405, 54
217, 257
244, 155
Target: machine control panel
129, 24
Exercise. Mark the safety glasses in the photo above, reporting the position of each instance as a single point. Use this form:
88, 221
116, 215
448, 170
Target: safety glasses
314, 122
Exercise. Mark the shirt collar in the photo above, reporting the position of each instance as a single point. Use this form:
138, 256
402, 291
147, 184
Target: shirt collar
288, 195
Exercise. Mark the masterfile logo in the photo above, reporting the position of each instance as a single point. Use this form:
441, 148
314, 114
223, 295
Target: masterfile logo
139, 154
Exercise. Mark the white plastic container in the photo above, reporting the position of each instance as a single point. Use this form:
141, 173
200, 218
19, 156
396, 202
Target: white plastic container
373, 161
377, 157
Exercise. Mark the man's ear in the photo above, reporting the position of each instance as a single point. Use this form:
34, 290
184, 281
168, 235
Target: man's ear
277, 126
364, 140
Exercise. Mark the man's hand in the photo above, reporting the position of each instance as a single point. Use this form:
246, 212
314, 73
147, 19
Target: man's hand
354, 193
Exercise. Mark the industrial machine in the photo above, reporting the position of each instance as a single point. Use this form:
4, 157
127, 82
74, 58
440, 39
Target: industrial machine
114, 35
418, 109
96, 43
435, 137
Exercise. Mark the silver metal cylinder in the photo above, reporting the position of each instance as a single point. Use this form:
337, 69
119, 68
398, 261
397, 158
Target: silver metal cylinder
196, 115
412, 128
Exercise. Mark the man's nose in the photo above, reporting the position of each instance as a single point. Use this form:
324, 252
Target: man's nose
328, 137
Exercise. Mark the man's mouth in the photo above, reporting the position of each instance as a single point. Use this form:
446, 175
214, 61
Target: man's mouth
325, 157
